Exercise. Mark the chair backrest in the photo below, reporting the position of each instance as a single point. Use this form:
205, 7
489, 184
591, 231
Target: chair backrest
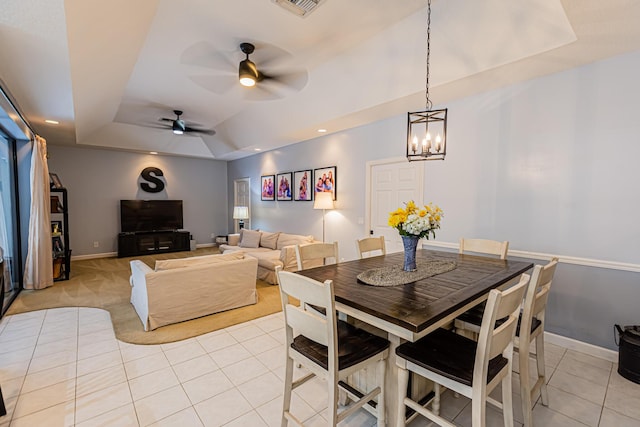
535, 300
494, 341
370, 244
315, 251
309, 323
483, 246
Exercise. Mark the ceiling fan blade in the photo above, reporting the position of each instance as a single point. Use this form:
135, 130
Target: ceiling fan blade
261, 92
204, 54
219, 84
153, 126
201, 131
268, 56
295, 80
164, 119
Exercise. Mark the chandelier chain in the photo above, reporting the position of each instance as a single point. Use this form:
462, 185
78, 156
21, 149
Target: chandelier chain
429, 105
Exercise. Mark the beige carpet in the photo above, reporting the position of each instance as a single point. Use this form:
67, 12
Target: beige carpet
104, 283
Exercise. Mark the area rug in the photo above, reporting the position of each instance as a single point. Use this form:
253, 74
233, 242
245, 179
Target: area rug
104, 283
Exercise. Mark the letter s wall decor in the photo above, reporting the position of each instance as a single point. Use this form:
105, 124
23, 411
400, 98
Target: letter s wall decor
151, 175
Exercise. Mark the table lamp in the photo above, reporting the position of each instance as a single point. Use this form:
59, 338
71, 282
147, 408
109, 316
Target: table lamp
324, 201
241, 213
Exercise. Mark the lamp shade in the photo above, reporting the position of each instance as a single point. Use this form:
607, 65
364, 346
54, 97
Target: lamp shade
240, 212
323, 200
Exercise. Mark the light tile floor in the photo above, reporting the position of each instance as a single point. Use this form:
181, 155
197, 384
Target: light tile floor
64, 367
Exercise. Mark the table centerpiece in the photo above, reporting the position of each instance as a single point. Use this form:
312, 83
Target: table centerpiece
414, 223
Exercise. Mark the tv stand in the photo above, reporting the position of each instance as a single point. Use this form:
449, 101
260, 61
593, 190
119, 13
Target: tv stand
152, 242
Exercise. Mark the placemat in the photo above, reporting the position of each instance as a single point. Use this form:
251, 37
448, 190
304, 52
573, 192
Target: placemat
394, 275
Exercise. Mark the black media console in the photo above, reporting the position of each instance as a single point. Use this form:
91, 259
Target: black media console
152, 242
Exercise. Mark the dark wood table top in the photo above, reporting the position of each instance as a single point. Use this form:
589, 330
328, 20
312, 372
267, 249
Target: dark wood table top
419, 305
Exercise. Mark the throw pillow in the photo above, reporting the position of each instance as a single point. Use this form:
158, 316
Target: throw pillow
168, 264
269, 240
250, 239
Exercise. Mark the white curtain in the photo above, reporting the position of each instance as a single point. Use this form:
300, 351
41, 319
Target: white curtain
39, 269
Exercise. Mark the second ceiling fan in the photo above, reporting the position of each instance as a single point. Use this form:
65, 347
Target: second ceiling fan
179, 126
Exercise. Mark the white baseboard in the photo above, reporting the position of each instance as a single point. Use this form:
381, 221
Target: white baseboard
583, 347
94, 256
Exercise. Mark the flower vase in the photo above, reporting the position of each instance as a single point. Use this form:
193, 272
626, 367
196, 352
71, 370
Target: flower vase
410, 245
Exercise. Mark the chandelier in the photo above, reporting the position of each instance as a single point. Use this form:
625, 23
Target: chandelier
427, 130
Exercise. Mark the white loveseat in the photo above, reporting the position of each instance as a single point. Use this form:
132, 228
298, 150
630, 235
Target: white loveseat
270, 249
187, 288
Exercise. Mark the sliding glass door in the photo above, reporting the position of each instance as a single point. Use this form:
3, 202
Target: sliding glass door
9, 222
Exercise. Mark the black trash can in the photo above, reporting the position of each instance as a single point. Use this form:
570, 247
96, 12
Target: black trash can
629, 352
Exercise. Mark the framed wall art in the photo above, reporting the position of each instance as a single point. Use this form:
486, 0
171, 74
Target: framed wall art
268, 187
283, 181
56, 228
325, 180
54, 181
302, 185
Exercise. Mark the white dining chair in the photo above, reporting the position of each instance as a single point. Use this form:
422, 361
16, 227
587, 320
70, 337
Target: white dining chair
467, 367
530, 331
484, 247
316, 254
370, 244
329, 348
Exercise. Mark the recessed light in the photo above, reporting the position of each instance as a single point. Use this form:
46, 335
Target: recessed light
257, 149
322, 130
153, 152
52, 122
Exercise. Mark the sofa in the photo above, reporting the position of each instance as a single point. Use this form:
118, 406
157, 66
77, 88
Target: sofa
187, 288
271, 249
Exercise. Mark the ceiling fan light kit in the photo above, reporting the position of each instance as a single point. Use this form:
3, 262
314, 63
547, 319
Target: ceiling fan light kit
427, 130
247, 73
247, 70
178, 127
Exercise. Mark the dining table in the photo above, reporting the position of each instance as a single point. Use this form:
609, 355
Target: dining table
409, 312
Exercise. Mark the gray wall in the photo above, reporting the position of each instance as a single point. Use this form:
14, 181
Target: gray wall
549, 164
98, 179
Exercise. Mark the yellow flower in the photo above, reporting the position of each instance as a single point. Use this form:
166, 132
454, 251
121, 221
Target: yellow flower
424, 220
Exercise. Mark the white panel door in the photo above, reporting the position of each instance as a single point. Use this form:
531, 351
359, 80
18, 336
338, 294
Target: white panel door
391, 184
242, 197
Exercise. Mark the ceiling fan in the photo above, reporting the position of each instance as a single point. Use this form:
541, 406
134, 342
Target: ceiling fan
179, 126
270, 73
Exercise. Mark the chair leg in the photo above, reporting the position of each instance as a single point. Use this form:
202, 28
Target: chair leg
435, 403
478, 411
381, 412
525, 385
541, 369
403, 382
332, 401
507, 400
288, 385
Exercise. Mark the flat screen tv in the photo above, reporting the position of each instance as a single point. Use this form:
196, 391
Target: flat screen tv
150, 215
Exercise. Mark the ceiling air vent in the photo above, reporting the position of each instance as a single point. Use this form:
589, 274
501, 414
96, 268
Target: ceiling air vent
299, 7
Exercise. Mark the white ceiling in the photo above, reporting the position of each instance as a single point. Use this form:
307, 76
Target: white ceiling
109, 70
